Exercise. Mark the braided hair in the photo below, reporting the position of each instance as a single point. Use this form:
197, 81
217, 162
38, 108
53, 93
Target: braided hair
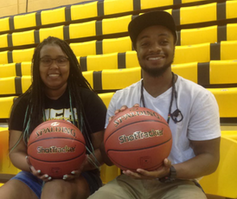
36, 92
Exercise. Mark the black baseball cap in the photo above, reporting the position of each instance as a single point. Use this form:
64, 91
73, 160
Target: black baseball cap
139, 23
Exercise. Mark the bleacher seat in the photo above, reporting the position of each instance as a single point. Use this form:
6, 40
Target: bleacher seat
14, 85
131, 60
84, 48
7, 70
223, 72
5, 107
106, 97
5, 24
105, 46
4, 57
232, 134
57, 31
24, 38
192, 1
84, 11
108, 173
209, 74
82, 30
197, 53
4, 41
23, 69
223, 181
100, 62
148, 4
228, 49
28, 20
202, 35
231, 29
231, 7
8, 86
226, 99
54, 16
25, 83
89, 77
109, 61
112, 7
22, 55
7, 169
191, 14
115, 79
187, 70
121, 44
116, 25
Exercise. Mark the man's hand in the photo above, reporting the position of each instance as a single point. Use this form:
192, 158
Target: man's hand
162, 171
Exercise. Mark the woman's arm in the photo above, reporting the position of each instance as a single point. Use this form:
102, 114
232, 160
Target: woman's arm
18, 152
97, 140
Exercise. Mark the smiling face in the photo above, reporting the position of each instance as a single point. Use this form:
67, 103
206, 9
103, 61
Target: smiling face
54, 75
155, 49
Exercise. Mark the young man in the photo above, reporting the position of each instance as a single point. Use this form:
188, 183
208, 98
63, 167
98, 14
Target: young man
190, 110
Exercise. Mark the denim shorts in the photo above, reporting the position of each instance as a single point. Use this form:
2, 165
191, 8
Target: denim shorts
36, 185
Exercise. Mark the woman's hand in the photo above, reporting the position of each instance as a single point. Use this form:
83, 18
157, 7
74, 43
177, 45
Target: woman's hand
76, 173
37, 173
162, 171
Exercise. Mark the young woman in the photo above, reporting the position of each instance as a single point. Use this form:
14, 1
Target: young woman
58, 91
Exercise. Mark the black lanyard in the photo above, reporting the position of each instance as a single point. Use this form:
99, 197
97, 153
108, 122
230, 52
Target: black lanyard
177, 113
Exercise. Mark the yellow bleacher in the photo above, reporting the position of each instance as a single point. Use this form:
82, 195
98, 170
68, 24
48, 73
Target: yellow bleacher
97, 33
223, 181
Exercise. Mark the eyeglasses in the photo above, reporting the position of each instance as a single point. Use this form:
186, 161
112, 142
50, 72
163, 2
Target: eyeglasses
60, 61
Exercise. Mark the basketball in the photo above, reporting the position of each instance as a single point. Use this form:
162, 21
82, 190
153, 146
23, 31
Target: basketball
56, 147
138, 138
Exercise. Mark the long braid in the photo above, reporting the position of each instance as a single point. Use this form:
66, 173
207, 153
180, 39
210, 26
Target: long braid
36, 105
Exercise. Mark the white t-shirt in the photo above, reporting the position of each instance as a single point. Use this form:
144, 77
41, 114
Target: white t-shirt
198, 106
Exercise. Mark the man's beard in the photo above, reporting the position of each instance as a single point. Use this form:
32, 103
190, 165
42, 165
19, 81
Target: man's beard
156, 72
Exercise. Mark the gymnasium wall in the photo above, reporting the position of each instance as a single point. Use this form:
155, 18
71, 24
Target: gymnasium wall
13, 7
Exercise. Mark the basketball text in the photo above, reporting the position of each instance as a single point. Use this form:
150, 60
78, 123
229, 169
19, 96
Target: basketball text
134, 114
55, 149
139, 135
55, 129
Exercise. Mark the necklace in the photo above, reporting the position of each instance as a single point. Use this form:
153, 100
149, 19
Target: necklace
177, 112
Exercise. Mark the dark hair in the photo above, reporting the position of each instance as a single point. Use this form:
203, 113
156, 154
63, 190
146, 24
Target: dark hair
36, 94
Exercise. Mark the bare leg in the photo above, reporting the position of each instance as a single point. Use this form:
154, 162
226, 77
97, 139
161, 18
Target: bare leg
60, 189
16, 189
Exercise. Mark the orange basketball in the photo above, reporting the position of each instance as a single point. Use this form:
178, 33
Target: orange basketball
56, 147
138, 138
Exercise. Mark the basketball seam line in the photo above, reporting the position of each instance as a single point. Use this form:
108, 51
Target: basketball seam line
54, 138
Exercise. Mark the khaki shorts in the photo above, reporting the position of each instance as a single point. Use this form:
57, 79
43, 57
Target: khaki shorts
124, 187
